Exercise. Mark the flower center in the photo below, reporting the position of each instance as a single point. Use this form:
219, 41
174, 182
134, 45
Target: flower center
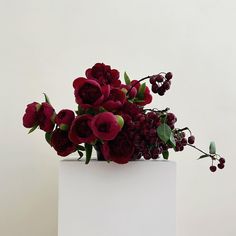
104, 127
83, 130
89, 93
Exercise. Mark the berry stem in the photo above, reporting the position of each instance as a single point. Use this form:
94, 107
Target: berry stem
185, 128
158, 111
212, 157
147, 77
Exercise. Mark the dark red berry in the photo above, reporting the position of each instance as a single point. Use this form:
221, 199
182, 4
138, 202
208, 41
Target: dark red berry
184, 141
152, 79
169, 76
221, 165
155, 88
159, 78
191, 139
166, 85
213, 168
222, 160
161, 91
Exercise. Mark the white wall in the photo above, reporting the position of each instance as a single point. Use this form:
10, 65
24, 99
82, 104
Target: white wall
46, 44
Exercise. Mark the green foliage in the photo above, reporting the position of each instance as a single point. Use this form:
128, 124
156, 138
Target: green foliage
33, 129
212, 148
81, 148
165, 154
164, 132
88, 150
141, 91
46, 98
172, 140
80, 154
48, 137
127, 79
203, 156
63, 127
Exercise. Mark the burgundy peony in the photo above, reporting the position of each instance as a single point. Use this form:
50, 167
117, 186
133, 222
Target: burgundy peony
105, 126
104, 75
61, 143
30, 117
89, 93
46, 116
119, 150
147, 95
64, 119
80, 130
115, 100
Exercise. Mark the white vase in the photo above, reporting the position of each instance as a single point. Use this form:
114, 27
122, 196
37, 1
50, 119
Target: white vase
108, 199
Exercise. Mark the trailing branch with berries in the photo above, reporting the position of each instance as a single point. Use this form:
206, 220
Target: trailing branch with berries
111, 117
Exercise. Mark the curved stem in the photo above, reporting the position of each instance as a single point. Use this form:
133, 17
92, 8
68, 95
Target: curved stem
156, 110
147, 77
212, 157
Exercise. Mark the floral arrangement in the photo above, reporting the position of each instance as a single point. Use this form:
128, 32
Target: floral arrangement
111, 117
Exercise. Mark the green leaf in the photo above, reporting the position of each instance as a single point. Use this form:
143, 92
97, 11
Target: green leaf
127, 79
33, 128
172, 140
80, 110
46, 98
164, 132
165, 154
81, 148
203, 156
102, 109
48, 137
88, 150
64, 127
80, 154
141, 90
90, 111
212, 148
138, 100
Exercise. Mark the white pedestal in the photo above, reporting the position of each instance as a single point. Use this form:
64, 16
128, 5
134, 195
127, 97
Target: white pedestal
107, 199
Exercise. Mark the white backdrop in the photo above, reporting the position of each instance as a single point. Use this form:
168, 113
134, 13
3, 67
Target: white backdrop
46, 44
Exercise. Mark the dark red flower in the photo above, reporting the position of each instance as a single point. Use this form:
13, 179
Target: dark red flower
147, 97
104, 75
46, 116
115, 100
30, 117
61, 143
119, 150
80, 130
105, 126
89, 93
64, 118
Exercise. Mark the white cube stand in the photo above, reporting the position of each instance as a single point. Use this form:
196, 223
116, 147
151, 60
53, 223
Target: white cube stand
108, 199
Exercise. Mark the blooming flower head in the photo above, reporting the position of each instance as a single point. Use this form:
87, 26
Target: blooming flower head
103, 74
61, 143
119, 150
106, 125
30, 117
80, 130
64, 119
89, 93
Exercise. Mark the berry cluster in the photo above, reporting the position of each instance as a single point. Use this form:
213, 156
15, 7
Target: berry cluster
220, 165
161, 83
